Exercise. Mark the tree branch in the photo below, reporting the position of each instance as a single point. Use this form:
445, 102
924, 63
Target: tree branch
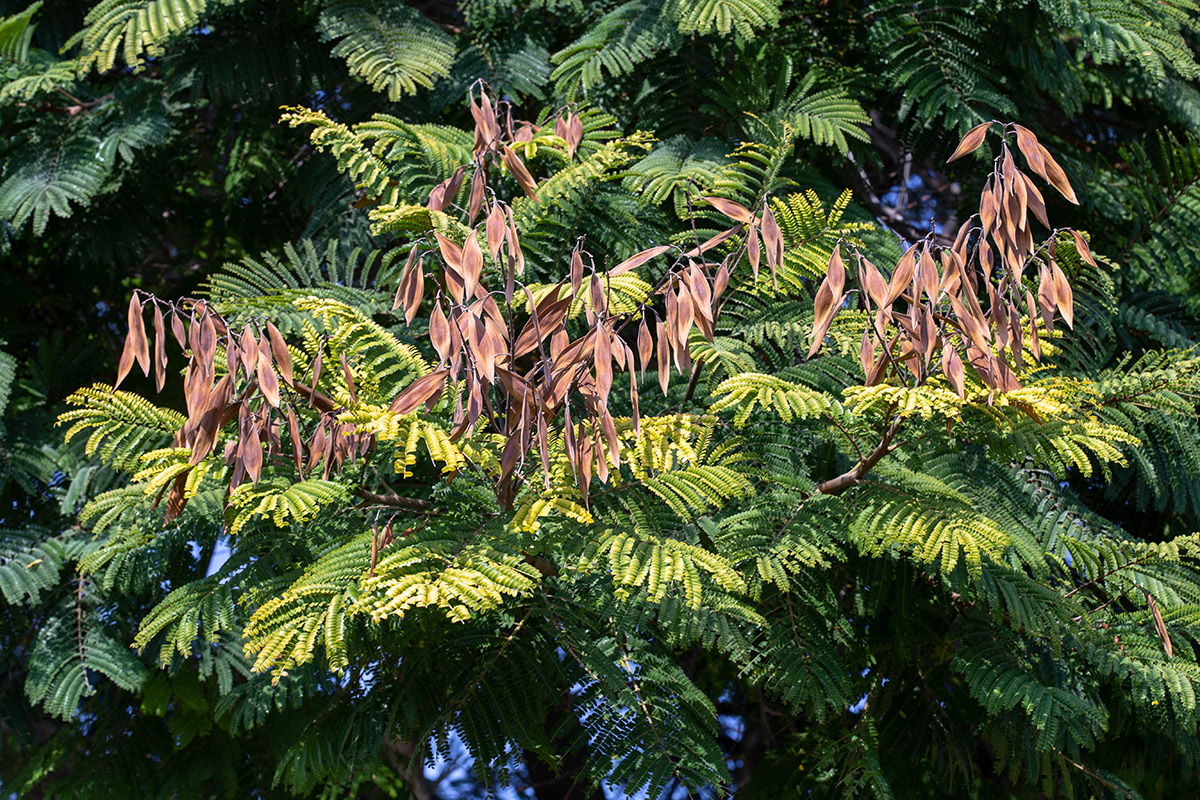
854, 475
394, 500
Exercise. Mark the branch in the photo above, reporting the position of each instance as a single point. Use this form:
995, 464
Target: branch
855, 475
320, 401
394, 500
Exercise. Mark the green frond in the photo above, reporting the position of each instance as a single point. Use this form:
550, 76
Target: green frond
65, 174
32, 561
754, 169
799, 661
390, 46
623, 294
747, 17
810, 233
123, 425
1151, 35
285, 630
200, 611
790, 401
16, 32
129, 31
589, 192
1062, 712
678, 169
438, 569
926, 517
1164, 201
353, 157
825, 116
284, 502
723, 356
657, 565
68, 649
392, 160
271, 284
8, 377
383, 364
632, 694
408, 432
613, 46
514, 64
937, 54
39, 74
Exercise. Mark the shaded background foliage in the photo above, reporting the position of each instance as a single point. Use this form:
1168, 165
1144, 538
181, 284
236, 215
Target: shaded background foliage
142, 149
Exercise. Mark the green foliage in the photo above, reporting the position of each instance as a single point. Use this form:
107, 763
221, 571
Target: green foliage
937, 54
129, 31
1165, 202
1003, 600
391, 47
16, 32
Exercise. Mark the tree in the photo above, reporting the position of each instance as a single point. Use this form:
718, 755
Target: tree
954, 495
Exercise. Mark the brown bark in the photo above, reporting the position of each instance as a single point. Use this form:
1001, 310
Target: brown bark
856, 473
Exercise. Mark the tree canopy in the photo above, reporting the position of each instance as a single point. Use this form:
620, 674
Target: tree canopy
687, 397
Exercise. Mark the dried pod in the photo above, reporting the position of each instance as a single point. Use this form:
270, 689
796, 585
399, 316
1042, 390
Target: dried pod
971, 142
637, 260
730, 208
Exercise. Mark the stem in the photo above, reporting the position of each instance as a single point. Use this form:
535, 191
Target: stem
394, 500
854, 475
